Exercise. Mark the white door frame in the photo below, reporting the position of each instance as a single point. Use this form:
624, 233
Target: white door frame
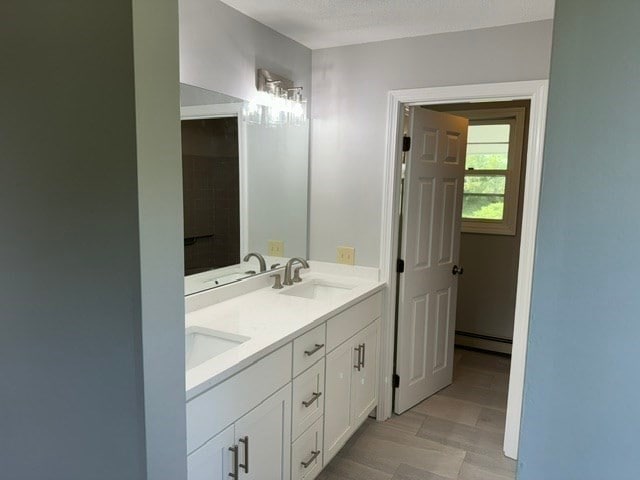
225, 110
536, 92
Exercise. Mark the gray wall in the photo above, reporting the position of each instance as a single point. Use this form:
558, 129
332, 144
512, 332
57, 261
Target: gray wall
277, 180
73, 312
487, 290
580, 412
220, 49
350, 86
155, 26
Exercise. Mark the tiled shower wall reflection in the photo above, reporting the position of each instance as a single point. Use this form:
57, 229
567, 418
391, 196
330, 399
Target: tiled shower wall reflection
211, 193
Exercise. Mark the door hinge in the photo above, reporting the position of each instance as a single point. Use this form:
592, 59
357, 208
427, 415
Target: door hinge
406, 143
400, 266
396, 380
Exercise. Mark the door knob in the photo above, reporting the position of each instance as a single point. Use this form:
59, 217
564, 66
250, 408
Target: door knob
457, 270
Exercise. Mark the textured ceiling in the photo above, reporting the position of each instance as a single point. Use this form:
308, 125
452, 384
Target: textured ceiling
329, 23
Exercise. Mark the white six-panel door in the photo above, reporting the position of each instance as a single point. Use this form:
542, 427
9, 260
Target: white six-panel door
432, 208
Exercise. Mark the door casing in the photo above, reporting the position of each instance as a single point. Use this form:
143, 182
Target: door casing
536, 91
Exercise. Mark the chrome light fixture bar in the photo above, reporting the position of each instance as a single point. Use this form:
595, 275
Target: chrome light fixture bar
278, 85
269, 82
279, 101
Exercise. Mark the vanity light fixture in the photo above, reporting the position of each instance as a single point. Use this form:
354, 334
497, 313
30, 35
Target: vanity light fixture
277, 102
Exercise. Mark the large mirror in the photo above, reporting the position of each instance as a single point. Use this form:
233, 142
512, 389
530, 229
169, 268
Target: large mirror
245, 181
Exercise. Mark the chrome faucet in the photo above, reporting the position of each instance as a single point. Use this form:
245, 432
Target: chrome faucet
287, 269
263, 264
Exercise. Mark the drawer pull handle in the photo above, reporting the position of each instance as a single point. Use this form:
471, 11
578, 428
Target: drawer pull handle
314, 397
245, 466
314, 455
318, 346
234, 450
358, 364
364, 347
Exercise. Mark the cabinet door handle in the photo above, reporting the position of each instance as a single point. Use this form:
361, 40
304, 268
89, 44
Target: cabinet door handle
318, 346
314, 455
245, 466
234, 450
358, 365
364, 349
314, 397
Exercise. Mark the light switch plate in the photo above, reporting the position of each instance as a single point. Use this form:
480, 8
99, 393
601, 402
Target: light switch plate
346, 255
276, 248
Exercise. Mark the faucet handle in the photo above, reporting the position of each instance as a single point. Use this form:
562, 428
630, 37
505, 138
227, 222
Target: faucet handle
277, 283
274, 266
296, 275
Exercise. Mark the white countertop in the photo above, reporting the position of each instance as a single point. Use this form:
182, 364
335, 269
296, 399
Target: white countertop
271, 320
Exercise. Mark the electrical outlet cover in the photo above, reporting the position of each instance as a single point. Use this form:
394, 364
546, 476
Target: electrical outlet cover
346, 255
276, 248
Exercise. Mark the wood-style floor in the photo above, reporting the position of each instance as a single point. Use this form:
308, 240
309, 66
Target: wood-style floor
455, 434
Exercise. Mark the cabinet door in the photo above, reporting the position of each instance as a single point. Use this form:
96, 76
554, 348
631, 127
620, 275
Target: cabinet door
338, 420
264, 439
365, 380
213, 460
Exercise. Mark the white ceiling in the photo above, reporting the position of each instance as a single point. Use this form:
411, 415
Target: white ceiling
330, 23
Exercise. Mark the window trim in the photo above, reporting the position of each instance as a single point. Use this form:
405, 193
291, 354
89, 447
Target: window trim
516, 118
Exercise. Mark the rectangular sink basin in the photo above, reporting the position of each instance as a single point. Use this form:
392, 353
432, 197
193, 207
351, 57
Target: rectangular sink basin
318, 290
202, 344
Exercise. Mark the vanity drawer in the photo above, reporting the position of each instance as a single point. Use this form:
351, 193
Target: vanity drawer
308, 349
346, 324
308, 398
306, 453
215, 409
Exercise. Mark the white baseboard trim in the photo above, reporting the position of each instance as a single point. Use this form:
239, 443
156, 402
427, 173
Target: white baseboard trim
484, 344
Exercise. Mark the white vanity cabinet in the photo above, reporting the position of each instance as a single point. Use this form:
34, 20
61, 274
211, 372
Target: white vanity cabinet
338, 423
241, 427
308, 349
212, 461
263, 437
306, 453
308, 404
285, 416
365, 379
351, 389
308, 401
257, 446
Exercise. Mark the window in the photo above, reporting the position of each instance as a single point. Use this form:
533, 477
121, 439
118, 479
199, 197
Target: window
492, 171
